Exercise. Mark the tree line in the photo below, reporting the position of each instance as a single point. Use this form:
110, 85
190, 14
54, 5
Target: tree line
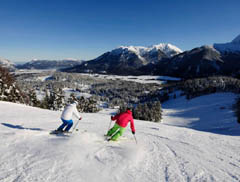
144, 99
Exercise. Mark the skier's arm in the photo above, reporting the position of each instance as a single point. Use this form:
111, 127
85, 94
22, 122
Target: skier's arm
114, 117
76, 113
132, 126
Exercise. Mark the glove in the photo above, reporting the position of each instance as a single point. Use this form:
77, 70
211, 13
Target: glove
80, 118
133, 132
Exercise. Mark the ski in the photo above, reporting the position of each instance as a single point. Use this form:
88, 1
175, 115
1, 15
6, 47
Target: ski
108, 138
59, 133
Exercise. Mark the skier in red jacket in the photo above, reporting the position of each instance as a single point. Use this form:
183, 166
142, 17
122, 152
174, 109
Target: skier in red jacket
119, 127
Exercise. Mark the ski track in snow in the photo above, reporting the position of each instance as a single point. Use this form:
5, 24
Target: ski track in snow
163, 152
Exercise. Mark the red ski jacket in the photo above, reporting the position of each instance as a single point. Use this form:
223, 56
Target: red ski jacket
123, 119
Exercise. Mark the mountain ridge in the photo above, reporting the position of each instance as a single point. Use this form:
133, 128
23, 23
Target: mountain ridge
229, 47
127, 59
49, 64
207, 60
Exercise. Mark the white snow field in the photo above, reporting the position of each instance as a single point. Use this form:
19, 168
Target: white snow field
140, 79
206, 146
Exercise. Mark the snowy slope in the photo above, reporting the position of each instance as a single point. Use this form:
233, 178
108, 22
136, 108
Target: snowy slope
164, 152
139, 79
211, 113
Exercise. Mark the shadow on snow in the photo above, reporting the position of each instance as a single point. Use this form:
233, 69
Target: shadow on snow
214, 116
20, 127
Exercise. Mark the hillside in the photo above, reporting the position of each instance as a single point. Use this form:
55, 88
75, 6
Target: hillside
204, 148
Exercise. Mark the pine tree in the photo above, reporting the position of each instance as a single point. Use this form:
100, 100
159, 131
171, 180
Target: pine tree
148, 111
9, 91
33, 98
58, 101
45, 102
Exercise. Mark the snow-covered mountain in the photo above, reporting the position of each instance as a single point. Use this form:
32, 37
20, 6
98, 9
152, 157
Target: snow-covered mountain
151, 54
201, 62
198, 62
230, 47
168, 60
127, 59
7, 64
168, 49
204, 148
50, 64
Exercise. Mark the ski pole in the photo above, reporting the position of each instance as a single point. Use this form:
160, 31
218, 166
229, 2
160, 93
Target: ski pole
135, 139
109, 125
75, 126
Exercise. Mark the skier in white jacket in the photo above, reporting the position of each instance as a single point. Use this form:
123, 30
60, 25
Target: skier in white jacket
66, 117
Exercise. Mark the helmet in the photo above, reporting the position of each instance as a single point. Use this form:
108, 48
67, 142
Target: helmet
128, 109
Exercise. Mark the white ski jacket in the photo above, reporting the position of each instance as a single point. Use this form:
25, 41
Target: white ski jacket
69, 111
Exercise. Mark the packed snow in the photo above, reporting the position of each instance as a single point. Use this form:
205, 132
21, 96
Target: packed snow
198, 140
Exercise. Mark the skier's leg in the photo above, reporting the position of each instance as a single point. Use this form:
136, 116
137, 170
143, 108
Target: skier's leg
69, 125
113, 130
60, 128
118, 133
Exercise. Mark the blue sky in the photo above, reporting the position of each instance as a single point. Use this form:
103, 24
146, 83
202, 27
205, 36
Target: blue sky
84, 29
